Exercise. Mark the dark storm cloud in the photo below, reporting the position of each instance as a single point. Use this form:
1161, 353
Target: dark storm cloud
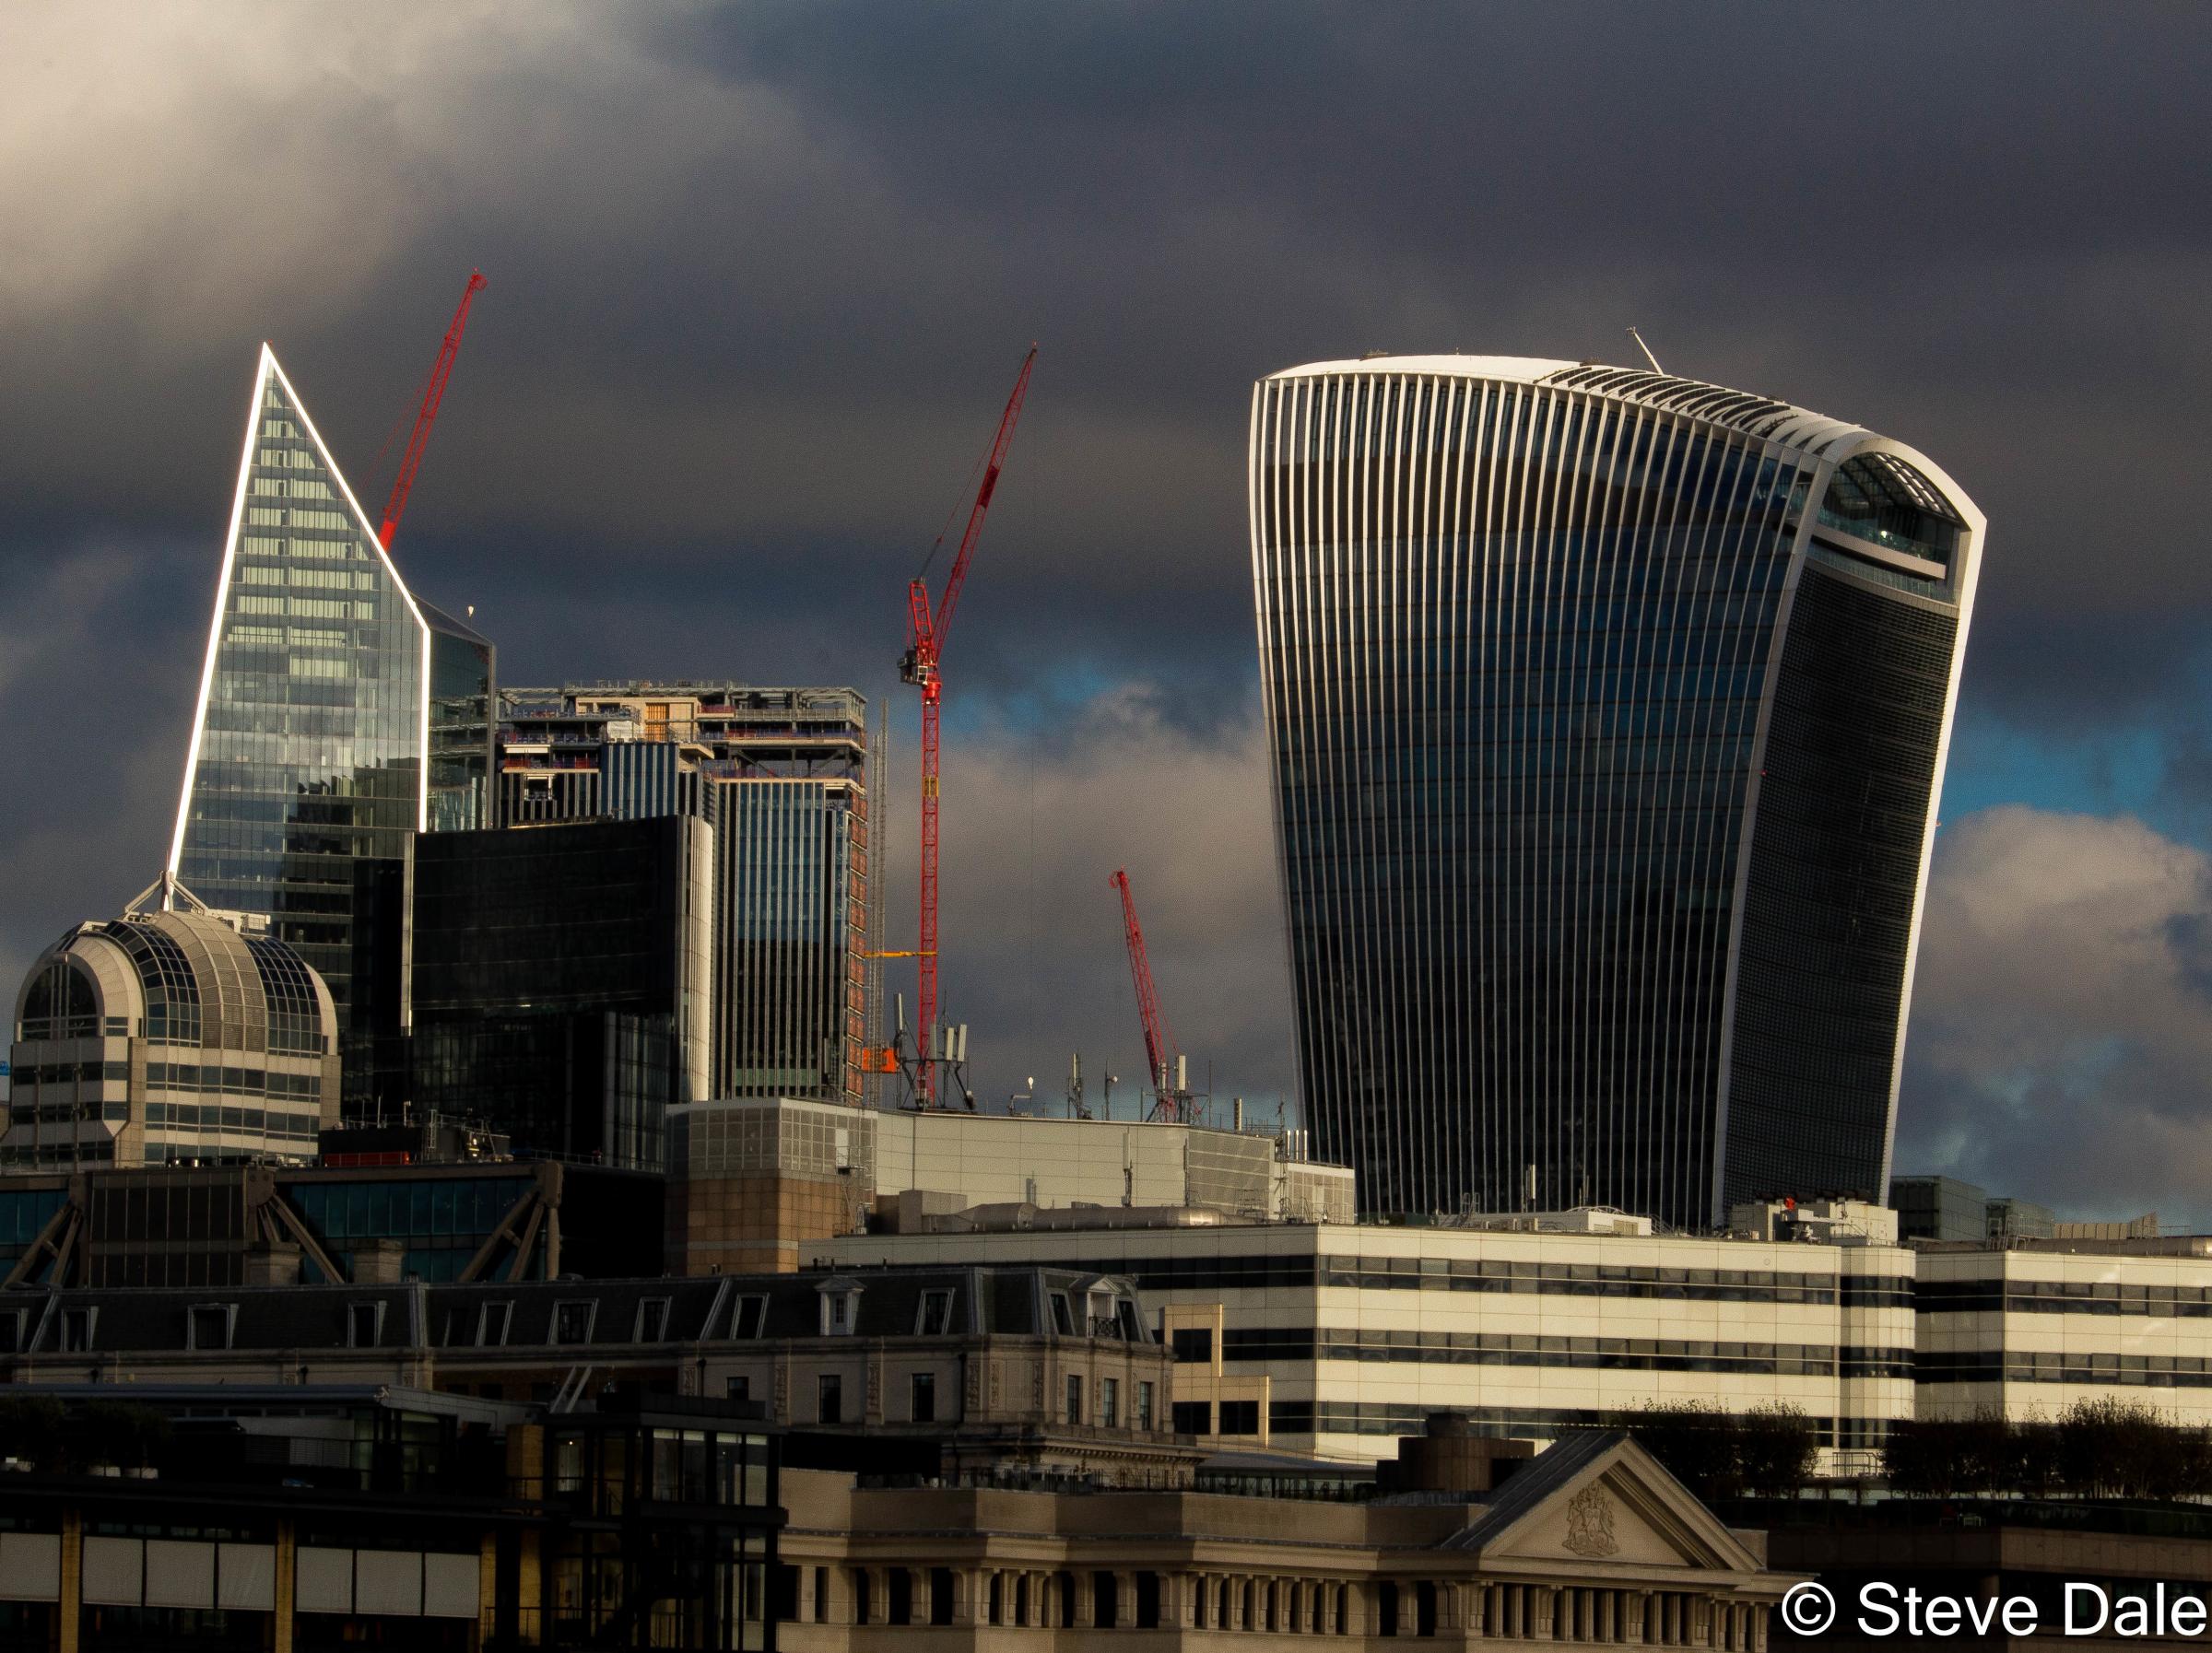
2062, 1019
761, 275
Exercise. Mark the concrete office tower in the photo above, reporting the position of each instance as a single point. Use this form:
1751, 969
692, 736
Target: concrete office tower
338, 715
165, 1037
1608, 715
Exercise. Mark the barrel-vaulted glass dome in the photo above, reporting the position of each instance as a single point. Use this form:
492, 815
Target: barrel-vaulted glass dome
1607, 714
170, 1036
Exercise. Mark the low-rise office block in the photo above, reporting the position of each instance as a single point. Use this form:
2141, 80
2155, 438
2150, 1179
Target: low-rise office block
1361, 1332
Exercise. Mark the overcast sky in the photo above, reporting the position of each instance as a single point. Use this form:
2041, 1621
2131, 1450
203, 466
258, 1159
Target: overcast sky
761, 276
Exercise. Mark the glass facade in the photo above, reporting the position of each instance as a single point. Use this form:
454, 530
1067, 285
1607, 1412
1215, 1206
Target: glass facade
780, 775
1602, 785
791, 918
316, 709
555, 972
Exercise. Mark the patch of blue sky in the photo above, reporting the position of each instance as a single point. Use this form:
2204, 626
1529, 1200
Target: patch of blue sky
1993, 763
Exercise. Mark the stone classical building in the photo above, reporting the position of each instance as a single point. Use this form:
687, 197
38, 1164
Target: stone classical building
945, 1372
1589, 1542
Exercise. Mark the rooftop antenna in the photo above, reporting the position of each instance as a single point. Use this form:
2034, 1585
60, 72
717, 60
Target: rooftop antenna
1647, 352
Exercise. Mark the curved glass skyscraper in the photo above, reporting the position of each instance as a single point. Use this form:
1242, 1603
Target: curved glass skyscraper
1607, 713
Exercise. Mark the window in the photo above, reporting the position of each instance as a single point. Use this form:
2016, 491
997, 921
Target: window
363, 1322
840, 1308
78, 1325
491, 1331
1193, 1417
738, 1389
748, 1316
1194, 1346
11, 1331
1144, 1408
572, 1322
1110, 1402
1064, 1320
1102, 1313
1240, 1417
653, 1321
207, 1325
829, 1398
924, 1387
1075, 1400
934, 1316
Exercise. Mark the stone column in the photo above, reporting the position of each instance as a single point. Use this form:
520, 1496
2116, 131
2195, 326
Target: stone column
287, 1561
1124, 1600
1636, 1606
1450, 1619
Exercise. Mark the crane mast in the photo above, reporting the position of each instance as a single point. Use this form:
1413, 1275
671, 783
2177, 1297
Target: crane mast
920, 666
1159, 1042
433, 392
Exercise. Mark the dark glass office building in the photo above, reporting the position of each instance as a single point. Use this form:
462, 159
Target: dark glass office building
561, 978
780, 775
338, 716
1608, 715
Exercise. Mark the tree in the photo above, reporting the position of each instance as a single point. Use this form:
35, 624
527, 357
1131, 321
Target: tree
115, 1432
1775, 1449
30, 1427
1697, 1443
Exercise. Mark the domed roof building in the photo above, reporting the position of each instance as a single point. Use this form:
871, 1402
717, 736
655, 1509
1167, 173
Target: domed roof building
171, 1036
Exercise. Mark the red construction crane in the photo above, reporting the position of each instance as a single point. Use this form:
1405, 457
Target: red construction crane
1159, 1040
918, 666
432, 393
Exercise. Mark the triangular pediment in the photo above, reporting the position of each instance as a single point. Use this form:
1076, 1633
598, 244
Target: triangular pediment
1602, 1500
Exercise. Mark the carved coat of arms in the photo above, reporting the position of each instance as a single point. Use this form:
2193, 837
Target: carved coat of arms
1590, 1525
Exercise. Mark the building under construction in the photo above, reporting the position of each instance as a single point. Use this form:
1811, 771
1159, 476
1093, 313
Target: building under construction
779, 775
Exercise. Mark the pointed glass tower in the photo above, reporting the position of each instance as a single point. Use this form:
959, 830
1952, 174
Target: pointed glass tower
338, 715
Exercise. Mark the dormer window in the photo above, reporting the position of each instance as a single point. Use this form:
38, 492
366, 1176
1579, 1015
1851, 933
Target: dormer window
653, 1321
841, 1306
364, 1325
934, 1319
207, 1325
1101, 1303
